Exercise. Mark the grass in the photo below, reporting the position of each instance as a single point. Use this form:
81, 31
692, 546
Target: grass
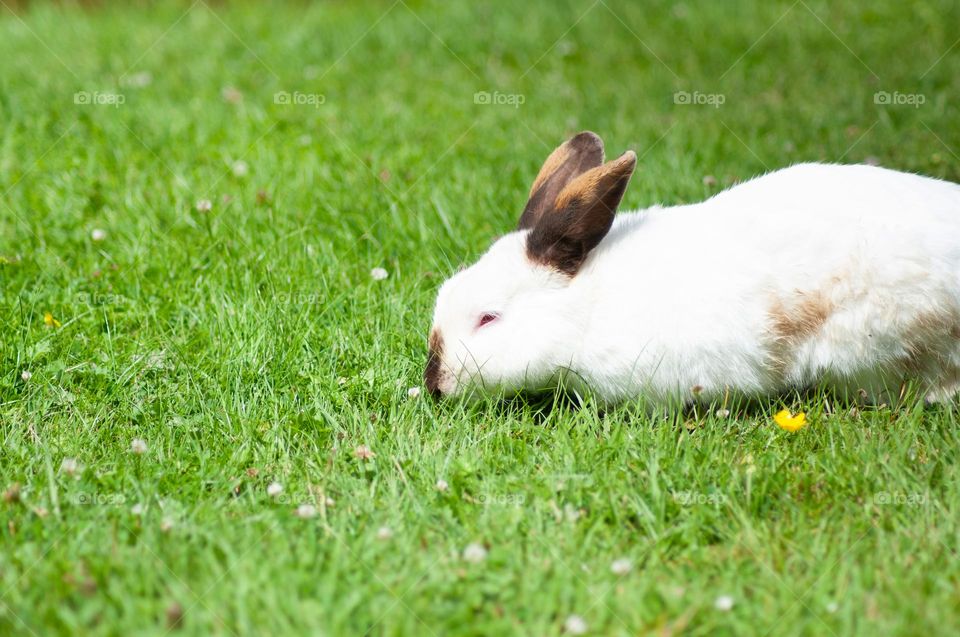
249, 344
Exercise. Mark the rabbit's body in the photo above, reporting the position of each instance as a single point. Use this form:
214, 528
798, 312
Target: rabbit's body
848, 275
844, 275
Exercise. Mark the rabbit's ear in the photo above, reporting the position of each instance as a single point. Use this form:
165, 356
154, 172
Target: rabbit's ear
580, 216
571, 159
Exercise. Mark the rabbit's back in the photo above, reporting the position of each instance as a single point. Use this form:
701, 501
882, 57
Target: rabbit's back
848, 274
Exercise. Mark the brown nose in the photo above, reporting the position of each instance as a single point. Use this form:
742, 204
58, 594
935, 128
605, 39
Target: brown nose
431, 375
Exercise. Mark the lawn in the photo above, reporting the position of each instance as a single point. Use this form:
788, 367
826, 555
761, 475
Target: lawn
205, 425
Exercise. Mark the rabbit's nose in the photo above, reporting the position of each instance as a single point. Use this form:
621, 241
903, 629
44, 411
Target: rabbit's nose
431, 375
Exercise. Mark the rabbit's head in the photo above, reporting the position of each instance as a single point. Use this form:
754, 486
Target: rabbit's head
508, 323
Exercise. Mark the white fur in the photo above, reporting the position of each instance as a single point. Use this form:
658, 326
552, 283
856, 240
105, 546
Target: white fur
678, 304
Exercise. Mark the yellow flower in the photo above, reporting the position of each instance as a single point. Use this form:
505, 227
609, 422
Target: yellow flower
49, 321
790, 423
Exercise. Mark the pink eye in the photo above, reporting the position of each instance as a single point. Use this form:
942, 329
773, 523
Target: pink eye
486, 318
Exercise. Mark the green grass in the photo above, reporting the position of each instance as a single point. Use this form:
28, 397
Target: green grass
249, 344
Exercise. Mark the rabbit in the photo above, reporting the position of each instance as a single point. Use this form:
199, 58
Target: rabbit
847, 276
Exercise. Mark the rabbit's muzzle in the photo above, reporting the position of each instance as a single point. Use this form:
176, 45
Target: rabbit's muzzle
432, 374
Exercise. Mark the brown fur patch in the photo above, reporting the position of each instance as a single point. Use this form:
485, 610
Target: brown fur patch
802, 317
431, 375
792, 321
929, 341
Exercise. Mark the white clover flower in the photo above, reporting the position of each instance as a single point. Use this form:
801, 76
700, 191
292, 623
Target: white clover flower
26, 375
379, 274
474, 553
723, 603
442, 485
306, 511
138, 446
363, 452
166, 525
274, 489
384, 533
621, 566
70, 466
98, 234
413, 392
240, 168
137, 509
204, 205
575, 625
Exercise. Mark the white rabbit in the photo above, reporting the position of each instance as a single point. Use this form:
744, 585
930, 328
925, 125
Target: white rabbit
848, 276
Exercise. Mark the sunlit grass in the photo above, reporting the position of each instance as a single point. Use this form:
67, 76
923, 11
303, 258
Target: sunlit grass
195, 356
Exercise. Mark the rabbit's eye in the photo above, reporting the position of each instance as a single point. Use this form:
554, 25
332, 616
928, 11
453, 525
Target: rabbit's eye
487, 318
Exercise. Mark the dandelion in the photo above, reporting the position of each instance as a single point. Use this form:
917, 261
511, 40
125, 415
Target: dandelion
26, 375
384, 533
413, 392
306, 511
442, 485
379, 274
575, 625
723, 603
70, 466
204, 205
274, 489
788, 422
49, 321
138, 446
621, 566
363, 452
474, 553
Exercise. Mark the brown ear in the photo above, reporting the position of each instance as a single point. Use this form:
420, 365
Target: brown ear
571, 159
580, 216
